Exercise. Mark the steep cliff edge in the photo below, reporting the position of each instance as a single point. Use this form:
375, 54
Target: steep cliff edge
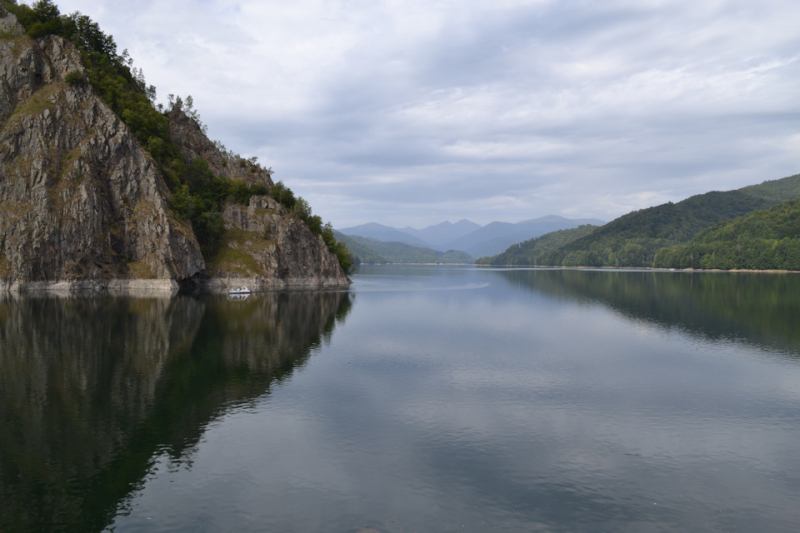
82, 205
269, 248
263, 245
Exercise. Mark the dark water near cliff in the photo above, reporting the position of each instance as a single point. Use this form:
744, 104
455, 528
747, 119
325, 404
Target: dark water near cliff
430, 399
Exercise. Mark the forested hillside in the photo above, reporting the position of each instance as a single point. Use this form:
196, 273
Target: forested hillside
763, 240
527, 253
634, 239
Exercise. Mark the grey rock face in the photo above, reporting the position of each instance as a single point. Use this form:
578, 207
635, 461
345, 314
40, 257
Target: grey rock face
264, 246
274, 249
79, 199
84, 207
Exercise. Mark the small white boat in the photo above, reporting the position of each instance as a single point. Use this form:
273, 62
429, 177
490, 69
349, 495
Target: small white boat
238, 297
239, 290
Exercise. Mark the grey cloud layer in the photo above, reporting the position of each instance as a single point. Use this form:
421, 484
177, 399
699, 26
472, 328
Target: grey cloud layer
414, 112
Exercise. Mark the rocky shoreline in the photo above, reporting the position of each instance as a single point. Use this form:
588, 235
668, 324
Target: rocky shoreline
124, 287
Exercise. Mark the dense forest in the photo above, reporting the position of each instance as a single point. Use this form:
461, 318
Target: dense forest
527, 253
633, 240
197, 194
768, 239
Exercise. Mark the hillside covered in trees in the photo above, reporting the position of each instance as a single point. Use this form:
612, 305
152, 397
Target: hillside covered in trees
633, 240
768, 239
527, 253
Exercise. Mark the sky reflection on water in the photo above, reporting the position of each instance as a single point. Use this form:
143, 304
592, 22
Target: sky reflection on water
456, 399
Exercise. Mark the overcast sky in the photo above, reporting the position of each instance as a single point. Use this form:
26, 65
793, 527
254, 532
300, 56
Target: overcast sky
413, 112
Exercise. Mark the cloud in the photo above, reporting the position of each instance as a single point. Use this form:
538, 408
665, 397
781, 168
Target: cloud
409, 113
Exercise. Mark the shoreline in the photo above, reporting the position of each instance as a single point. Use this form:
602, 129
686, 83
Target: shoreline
167, 287
272, 284
653, 269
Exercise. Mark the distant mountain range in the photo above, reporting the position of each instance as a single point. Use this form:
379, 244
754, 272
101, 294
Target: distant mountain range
467, 236
380, 232
441, 234
373, 251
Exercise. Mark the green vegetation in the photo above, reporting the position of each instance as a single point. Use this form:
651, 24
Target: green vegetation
201, 197
232, 253
37, 103
75, 78
400, 252
634, 239
300, 208
362, 254
197, 195
527, 253
768, 239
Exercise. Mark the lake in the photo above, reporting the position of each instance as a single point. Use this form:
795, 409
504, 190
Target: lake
424, 399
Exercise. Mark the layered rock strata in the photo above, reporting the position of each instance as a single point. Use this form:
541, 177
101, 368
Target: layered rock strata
82, 206
263, 246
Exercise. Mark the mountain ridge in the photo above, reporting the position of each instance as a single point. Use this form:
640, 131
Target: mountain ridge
767, 239
443, 232
475, 240
633, 239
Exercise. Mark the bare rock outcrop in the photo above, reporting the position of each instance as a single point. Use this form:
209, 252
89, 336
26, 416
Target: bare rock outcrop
264, 246
81, 203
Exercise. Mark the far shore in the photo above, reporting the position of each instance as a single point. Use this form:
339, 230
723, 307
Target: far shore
742, 270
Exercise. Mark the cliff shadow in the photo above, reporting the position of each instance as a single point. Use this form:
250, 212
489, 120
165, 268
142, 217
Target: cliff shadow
92, 390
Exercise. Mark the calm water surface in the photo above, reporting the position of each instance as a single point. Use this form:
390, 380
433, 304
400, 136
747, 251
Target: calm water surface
428, 399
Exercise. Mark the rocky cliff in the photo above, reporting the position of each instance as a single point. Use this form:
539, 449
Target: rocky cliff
84, 206
263, 246
271, 249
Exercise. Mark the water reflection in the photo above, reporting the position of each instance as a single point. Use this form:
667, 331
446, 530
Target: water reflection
92, 389
759, 309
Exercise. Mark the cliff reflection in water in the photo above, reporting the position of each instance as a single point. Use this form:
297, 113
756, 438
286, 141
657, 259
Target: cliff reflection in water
757, 308
91, 390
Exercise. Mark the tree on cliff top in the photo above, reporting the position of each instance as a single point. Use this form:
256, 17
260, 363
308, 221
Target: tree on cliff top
197, 194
